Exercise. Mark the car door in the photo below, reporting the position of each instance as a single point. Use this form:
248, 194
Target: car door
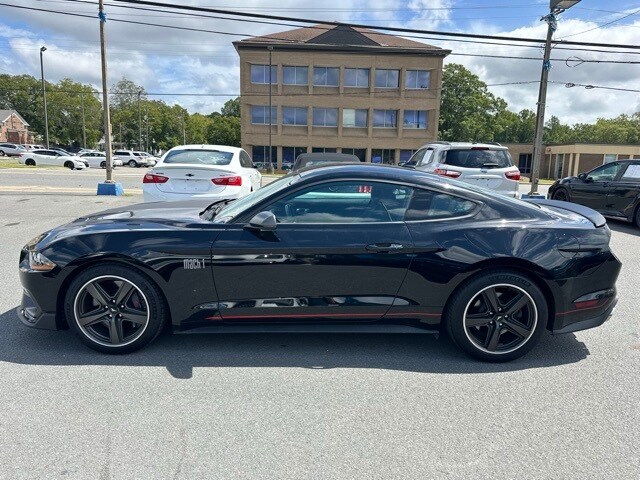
339, 253
624, 191
592, 190
49, 157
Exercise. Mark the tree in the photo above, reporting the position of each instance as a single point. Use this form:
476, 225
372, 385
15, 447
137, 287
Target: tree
224, 131
231, 108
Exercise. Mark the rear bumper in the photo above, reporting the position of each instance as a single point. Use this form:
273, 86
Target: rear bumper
591, 322
152, 194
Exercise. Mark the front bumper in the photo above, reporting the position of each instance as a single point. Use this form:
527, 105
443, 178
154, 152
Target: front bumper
30, 313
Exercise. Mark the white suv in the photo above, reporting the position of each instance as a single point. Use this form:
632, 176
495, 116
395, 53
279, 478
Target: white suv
486, 165
128, 157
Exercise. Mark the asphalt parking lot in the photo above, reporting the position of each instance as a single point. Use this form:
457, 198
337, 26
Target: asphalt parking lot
307, 406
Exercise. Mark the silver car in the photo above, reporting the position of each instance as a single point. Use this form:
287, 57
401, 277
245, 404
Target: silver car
11, 150
487, 165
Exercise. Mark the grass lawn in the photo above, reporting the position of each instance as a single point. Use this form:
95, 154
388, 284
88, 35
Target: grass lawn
13, 163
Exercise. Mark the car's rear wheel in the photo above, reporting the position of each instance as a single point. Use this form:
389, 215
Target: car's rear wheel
560, 194
133, 163
637, 217
1, 153
115, 309
30, 162
497, 316
103, 164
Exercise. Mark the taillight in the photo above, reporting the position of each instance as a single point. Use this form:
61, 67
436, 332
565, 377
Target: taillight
232, 181
513, 175
151, 178
364, 188
446, 173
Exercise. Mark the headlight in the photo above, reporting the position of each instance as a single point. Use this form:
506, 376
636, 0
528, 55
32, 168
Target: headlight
39, 262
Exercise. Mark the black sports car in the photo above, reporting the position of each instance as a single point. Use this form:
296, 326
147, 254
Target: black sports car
340, 248
612, 189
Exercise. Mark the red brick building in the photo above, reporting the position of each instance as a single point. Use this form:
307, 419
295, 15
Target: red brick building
13, 128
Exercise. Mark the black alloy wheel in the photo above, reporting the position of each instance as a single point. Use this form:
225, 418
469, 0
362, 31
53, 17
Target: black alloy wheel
497, 316
30, 162
560, 194
1, 153
114, 309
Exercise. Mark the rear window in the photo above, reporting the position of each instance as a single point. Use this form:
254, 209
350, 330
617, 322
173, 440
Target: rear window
478, 158
199, 157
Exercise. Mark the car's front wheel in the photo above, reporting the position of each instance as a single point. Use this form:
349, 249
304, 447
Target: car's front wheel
115, 309
560, 194
497, 316
103, 164
1, 153
133, 163
637, 216
69, 165
30, 162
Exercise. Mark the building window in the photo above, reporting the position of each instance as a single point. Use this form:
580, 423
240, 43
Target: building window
405, 155
354, 118
387, 78
323, 150
295, 75
326, 76
610, 157
289, 154
260, 115
385, 118
325, 117
361, 153
383, 156
260, 154
524, 162
260, 74
417, 79
415, 119
356, 77
294, 116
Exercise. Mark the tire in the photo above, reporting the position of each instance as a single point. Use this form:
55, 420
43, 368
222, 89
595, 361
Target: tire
476, 324
636, 217
561, 194
69, 165
132, 163
2, 153
103, 164
30, 162
113, 327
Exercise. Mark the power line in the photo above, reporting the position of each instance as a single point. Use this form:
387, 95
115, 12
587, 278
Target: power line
601, 25
589, 87
244, 35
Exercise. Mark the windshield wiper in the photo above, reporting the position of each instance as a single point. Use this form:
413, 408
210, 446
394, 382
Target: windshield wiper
212, 210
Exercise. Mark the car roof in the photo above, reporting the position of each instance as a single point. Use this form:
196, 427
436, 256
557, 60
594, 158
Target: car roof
465, 145
222, 148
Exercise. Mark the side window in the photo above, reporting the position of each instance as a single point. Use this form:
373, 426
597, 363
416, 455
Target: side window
414, 161
344, 202
245, 161
632, 173
605, 173
431, 205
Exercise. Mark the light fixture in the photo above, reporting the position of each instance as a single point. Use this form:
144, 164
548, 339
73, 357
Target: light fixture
562, 4
43, 49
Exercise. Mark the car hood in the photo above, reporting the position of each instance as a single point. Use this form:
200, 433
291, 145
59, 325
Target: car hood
143, 216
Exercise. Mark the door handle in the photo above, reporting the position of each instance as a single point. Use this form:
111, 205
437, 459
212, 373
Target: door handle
385, 247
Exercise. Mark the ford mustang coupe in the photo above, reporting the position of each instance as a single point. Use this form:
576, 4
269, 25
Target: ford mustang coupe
366, 248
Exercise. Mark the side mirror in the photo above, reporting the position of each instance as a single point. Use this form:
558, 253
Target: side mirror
263, 221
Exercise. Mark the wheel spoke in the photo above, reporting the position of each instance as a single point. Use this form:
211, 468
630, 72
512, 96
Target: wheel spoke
92, 318
517, 304
491, 299
123, 293
516, 328
135, 317
493, 337
478, 319
115, 331
99, 295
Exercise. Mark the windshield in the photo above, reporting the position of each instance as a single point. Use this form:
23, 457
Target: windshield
199, 157
477, 158
237, 207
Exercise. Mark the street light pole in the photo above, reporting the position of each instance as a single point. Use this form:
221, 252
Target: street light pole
139, 122
270, 169
84, 128
556, 7
44, 98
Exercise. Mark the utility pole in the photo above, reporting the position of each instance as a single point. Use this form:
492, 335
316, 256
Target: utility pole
146, 121
270, 169
84, 129
184, 131
44, 98
105, 93
139, 122
556, 7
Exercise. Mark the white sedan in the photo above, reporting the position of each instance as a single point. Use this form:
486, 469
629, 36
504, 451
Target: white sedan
52, 157
99, 160
213, 172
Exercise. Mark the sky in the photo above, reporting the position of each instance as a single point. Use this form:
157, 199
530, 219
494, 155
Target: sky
171, 61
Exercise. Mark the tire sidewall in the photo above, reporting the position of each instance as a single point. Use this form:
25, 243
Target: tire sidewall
564, 191
157, 309
132, 163
454, 313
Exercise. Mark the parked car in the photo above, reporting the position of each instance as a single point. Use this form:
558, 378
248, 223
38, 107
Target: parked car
53, 157
410, 252
128, 157
315, 159
487, 165
612, 189
151, 160
69, 154
74, 150
99, 160
30, 146
213, 172
11, 150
